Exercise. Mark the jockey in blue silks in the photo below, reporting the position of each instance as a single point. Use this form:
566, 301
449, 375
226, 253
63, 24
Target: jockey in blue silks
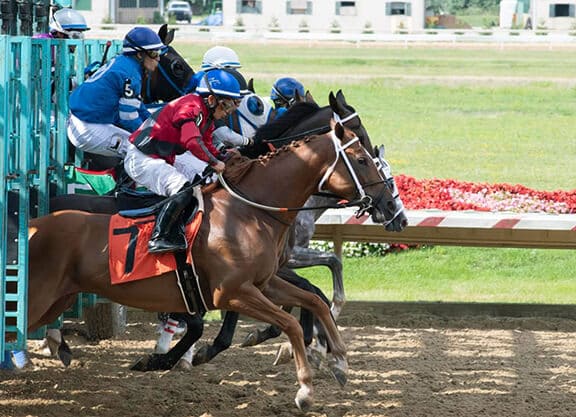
107, 107
283, 93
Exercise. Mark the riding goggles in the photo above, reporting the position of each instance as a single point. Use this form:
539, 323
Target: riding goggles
229, 104
74, 34
280, 102
154, 54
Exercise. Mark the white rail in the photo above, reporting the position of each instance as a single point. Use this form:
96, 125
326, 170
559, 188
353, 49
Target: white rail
456, 228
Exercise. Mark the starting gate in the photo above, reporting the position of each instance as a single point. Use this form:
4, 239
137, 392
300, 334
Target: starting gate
36, 76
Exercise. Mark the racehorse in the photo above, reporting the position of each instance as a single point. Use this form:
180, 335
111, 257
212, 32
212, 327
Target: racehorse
301, 120
236, 250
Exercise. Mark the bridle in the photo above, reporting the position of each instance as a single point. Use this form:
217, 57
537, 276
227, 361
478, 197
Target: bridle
364, 202
381, 164
166, 76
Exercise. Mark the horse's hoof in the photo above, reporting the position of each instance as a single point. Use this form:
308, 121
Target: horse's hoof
142, 365
183, 365
53, 345
339, 375
284, 354
65, 354
200, 356
304, 398
250, 340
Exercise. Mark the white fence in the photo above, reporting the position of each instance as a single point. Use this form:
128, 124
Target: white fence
456, 228
193, 33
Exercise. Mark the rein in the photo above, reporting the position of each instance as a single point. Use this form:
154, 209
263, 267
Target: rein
245, 200
364, 202
170, 81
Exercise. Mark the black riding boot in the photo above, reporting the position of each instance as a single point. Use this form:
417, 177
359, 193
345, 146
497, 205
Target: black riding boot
168, 234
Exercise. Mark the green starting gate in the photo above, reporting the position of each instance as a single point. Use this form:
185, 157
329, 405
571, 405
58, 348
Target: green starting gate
36, 76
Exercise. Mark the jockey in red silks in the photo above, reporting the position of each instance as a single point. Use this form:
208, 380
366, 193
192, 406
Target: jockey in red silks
184, 125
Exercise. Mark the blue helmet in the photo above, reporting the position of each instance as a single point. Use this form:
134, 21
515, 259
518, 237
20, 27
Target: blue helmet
220, 83
141, 39
284, 91
240, 78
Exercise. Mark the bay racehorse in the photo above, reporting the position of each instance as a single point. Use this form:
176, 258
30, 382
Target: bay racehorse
236, 251
302, 119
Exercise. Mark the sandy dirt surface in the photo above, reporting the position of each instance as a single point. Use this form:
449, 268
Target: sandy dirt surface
421, 370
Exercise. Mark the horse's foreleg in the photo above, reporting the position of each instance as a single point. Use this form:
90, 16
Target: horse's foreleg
305, 257
282, 292
250, 301
221, 342
166, 361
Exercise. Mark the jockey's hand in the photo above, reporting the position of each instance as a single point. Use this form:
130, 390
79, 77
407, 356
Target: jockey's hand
219, 167
91, 69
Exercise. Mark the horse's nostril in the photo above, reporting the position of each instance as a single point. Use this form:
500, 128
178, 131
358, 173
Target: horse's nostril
404, 223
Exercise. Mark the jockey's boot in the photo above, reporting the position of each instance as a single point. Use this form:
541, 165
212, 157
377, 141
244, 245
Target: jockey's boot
168, 234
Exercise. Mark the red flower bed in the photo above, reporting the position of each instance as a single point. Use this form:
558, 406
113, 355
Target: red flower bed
460, 195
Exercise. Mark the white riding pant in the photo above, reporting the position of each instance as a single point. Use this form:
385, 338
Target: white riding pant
158, 175
102, 139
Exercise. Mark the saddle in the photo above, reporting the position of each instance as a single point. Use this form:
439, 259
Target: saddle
130, 230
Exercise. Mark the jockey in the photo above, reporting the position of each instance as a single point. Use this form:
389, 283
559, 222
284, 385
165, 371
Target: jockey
222, 57
283, 93
66, 24
106, 108
185, 124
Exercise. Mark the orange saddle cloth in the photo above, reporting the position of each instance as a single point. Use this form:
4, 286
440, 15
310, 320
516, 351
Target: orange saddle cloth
129, 259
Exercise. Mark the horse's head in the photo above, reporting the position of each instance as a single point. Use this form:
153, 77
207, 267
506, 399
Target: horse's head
358, 176
345, 114
400, 221
172, 76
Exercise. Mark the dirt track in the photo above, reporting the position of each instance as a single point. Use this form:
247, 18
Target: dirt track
396, 372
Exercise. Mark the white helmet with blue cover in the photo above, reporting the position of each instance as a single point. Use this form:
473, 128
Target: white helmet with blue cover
68, 22
220, 57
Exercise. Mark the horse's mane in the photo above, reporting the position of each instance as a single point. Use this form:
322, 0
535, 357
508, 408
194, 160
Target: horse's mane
277, 127
236, 167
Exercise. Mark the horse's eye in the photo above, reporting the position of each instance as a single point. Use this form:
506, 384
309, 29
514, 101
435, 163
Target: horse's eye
363, 161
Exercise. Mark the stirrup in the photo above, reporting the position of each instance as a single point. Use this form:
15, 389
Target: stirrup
161, 245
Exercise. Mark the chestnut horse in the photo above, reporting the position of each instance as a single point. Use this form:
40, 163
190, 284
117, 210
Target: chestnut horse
236, 251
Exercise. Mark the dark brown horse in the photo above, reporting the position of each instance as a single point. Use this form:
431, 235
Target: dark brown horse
236, 252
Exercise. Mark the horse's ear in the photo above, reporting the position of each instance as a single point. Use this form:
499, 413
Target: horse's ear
309, 98
162, 32
332, 100
251, 85
339, 131
298, 98
341, 98
169, 37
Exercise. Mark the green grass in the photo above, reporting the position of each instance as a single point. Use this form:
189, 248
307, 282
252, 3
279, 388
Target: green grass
458, 274
488, 113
